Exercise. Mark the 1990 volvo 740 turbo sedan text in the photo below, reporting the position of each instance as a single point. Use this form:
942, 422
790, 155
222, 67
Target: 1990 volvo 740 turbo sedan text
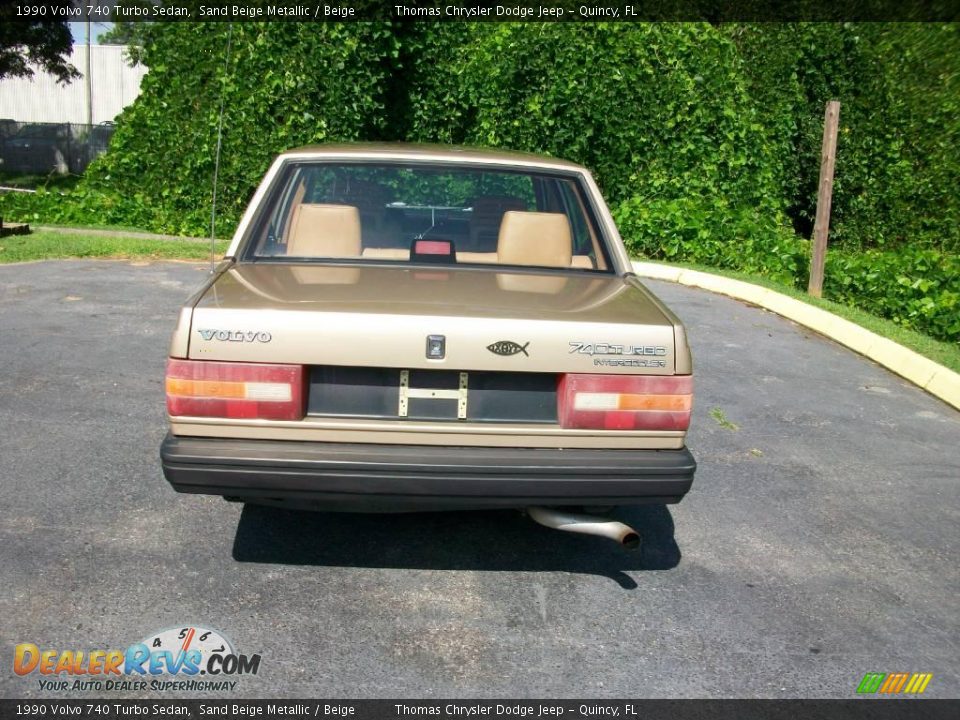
412, 327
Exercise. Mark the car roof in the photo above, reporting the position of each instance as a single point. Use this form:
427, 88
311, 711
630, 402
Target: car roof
432, 152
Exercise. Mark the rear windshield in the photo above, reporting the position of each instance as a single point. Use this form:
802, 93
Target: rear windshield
379, 212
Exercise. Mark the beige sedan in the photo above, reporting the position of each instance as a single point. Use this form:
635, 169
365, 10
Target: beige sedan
399, 328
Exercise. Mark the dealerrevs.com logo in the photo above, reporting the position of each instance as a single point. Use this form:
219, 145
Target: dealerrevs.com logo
178, 659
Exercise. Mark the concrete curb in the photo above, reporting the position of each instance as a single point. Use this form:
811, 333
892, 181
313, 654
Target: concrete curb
932, 377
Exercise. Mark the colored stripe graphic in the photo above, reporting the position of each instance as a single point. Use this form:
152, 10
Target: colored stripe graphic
894, 683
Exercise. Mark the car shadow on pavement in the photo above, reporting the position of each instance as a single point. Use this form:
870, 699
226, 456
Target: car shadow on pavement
496, 540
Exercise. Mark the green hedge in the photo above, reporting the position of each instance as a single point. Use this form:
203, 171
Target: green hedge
898, 151
915, 287
918, 288
710, 232
659, 111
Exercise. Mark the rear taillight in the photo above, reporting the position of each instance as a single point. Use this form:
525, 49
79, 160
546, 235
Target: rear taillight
625, 402
206, 388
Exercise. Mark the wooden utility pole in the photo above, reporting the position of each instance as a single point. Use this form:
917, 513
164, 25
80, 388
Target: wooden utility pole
821, 227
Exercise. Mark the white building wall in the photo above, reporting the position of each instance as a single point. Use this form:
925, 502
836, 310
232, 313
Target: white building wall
114, 85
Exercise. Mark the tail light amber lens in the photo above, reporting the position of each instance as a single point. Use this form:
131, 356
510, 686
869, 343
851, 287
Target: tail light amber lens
625, 402
205, 388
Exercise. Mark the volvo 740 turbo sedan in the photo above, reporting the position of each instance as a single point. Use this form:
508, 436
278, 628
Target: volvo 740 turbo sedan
400, 328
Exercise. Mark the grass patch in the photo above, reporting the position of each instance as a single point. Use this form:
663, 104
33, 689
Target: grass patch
52, 245
947, 354
721, 418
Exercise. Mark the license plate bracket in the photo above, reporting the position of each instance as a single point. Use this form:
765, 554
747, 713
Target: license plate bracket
406, 393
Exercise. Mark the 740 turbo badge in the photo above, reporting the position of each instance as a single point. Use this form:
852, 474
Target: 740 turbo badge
611, 349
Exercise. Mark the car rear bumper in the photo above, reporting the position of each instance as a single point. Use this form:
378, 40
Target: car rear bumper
361, 477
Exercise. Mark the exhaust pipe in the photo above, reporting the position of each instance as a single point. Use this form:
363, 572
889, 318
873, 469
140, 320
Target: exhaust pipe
587, 524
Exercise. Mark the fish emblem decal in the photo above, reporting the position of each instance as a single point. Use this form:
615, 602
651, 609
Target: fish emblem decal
508, 347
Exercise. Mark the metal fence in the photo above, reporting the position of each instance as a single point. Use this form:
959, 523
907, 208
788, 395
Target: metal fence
44, 148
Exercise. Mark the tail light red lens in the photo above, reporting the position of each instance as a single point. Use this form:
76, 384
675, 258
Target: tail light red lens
205, 388
625, 402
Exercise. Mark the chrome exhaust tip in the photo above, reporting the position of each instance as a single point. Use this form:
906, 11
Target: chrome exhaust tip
623, 535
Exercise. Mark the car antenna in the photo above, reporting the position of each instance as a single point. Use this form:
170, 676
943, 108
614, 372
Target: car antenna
216, 163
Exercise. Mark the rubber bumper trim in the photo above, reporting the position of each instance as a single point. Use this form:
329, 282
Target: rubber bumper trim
480, 476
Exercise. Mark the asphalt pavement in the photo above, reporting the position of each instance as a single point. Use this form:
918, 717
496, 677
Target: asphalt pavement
819, 541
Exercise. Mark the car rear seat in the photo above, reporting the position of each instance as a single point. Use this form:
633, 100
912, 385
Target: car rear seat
525, 238
325, 231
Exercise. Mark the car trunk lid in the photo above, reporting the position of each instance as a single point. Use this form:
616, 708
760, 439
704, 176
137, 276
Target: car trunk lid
427, 318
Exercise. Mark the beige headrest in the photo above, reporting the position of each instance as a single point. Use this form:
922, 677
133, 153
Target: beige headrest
534, 238
325, 231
